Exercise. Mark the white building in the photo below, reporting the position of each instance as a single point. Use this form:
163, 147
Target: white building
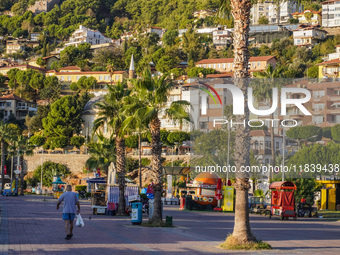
222, 37
331, 13
260, 144
86, 35
269, 10
308, 35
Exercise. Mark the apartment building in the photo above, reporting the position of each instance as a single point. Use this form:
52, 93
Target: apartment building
24, 67
73, 74
269, 10
19, 107
47, 61
331, 13
86, 35
308, 35
260, 144
324, 104
14, 46
315, 19
225, 65
222, 38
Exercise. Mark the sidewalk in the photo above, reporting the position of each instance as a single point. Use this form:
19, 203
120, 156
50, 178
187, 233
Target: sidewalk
30, 225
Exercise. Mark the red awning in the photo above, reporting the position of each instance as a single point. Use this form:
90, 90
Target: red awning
282, 185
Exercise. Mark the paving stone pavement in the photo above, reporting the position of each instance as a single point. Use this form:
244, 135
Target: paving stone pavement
32, 225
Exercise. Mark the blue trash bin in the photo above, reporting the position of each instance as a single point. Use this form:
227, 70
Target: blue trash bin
136, 213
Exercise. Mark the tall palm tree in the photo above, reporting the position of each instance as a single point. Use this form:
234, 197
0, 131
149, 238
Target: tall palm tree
111, 68
241, 13
4, 136
110, 114
147, 103
21, 145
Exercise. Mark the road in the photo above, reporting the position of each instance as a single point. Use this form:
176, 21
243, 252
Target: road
31, 225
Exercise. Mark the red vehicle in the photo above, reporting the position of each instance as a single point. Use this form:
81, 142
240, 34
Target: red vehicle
282, 201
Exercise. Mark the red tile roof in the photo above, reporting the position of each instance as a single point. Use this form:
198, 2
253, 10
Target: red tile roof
231, 60
24, 65
315, 12
13, 97
333, 61
330, 1
220, 75
70, 68
261, 133
89, 72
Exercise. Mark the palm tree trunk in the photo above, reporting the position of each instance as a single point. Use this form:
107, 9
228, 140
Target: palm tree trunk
272, 143
241, 13
120, 163
3, 158
22, 175
156, 150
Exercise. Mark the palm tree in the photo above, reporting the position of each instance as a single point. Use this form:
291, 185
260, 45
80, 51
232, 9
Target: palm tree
241, 13
263, 92
4, 136
23, 147
146, 105
102, 153
110, 114
110, 67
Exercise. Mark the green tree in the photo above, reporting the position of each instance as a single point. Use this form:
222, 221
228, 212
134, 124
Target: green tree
335, 131
37, 140
170, 37
263, 20
64, 119
77, 141
23, 147
4, 137
178, 137
110, 115
151, 94
50, 169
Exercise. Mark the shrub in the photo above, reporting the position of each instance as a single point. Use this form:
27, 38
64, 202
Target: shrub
132, 141
77, 141
80, 188
37, 140
145, 162
50, 169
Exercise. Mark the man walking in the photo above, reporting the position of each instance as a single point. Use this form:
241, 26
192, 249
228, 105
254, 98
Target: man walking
70, 201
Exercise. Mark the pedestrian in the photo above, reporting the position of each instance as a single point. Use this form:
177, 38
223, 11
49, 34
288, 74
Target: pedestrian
69, 211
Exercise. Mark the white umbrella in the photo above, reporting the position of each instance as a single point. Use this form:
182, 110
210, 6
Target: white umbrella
111, 177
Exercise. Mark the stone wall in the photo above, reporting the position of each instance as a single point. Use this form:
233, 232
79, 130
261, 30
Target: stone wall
43, 6
74, 162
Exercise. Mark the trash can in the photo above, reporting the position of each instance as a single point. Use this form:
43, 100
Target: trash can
136, 213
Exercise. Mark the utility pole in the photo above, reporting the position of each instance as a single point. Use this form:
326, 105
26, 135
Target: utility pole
140, 161
283, 154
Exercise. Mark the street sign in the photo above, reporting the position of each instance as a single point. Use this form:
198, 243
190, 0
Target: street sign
17, 171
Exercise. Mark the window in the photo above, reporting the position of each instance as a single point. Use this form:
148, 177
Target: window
209, 66
258, 63
100, 77
228, 65
319, 93
318, 119
318, 107
224, 66
69, 78
78, 77
62, 78
277, 145
8, 104
214, 66
117, 77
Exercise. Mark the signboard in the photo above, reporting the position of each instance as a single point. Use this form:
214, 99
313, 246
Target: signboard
228, 199
193, 185
169, 189
134, 214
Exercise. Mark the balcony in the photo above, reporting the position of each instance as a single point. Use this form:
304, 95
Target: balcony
262, 151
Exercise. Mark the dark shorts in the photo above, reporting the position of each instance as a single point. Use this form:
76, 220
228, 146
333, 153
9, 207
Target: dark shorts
68, 216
